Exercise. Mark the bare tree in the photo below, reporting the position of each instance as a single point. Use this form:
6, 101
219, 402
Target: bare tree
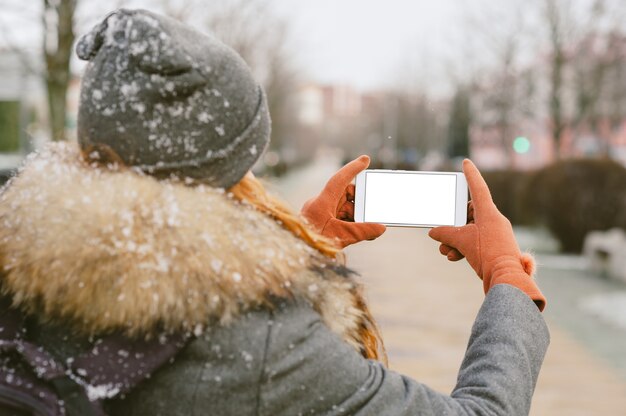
58, 38
58, 21
504, 98
554, 16
459, 123
261, 37
586, 54
420, 128
615, 88
597, 74
500, 32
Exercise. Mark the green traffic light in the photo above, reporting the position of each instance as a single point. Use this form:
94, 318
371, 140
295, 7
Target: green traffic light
521, 144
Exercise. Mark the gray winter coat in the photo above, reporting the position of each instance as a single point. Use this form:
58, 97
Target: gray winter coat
287, 362
137, 254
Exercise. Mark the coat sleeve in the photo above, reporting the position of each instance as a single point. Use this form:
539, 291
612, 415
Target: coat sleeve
310, 370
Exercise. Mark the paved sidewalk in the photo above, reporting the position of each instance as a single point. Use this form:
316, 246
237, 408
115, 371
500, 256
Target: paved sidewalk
426, 307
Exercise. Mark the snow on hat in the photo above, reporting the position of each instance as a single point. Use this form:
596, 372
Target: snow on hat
169, 99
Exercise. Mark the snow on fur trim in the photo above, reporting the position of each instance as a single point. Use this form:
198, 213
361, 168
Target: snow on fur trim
110, 250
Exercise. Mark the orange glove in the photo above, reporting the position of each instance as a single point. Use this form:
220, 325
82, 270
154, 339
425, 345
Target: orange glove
331, 213
488, 243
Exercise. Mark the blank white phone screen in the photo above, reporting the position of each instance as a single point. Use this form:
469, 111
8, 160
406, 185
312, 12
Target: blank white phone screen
410, 198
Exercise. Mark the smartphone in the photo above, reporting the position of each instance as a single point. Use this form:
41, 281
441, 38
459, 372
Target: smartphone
401, 198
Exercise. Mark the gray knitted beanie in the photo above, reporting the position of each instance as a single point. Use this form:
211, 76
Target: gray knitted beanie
170, 100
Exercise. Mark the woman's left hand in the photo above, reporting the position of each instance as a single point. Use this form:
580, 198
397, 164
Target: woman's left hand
331, 213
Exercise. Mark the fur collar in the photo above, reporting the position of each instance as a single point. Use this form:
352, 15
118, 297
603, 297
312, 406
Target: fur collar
117, 250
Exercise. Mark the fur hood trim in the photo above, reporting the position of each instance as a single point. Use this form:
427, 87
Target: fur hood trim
109, 250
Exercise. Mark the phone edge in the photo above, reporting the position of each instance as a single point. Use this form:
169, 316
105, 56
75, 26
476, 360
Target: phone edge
359, 197
461, 201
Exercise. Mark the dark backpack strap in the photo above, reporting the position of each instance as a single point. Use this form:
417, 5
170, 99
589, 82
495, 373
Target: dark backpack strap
41, 363
75, 400
116, 364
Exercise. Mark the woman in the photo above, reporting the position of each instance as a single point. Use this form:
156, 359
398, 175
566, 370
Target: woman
131, 232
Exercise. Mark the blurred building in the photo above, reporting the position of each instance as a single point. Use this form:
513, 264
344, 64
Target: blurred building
23, 106
320, 103
330, 114
396, 128
22, 100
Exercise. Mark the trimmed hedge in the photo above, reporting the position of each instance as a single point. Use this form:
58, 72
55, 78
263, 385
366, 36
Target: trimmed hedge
9, 126
508, 188
570, 197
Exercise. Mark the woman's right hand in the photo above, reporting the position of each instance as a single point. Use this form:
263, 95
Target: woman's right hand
331, 213
488, 242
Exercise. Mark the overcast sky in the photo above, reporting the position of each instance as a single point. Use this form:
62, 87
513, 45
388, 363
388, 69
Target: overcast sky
367, 42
